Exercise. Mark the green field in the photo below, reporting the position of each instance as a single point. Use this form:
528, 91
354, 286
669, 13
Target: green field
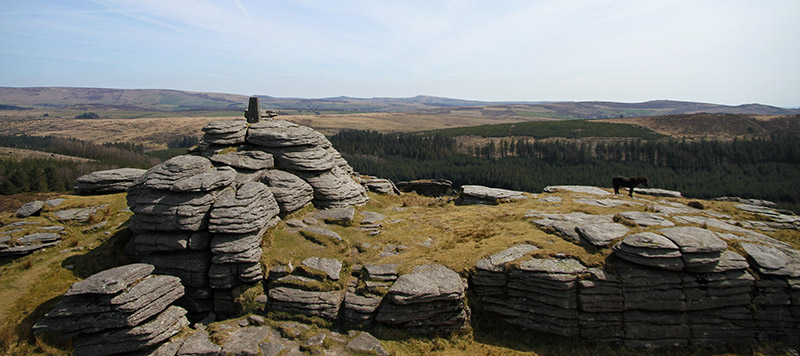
545, 129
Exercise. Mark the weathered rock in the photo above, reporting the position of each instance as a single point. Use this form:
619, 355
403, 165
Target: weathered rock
303, 158
320, 235
54, 202
139, 338
339, 216
246, 209
694, 240
659, 192
575, 189
39, 238
650, 249
476, 194
366, 343
322, 304
728, 261
111, 281
250, 160
177, 168
290, 191
600, 235
228, 132
328, 266
199, 344
30, 209
206, 181
767, 258
109, 181
385, 272
496, 261
606, 203
280, 133
171, 241
380, 186
427, 283
78, 214
334, 188
645, 219
156, 210
426, 187
758, 202
565, 223
245, 341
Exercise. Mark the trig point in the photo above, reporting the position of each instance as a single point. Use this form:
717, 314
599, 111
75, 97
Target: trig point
253, 113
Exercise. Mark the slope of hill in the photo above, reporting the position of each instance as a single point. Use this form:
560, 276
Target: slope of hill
161, 99
716, 126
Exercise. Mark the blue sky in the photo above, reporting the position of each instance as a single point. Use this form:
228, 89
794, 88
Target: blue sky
727, 52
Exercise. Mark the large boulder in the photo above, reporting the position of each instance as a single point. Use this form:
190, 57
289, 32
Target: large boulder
476, 194
109, 181
30, 209
123, 309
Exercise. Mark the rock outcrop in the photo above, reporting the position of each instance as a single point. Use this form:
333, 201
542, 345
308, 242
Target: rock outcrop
202, 216
673, 286
120, 310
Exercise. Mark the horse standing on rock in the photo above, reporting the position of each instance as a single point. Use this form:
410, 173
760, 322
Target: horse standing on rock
628, 182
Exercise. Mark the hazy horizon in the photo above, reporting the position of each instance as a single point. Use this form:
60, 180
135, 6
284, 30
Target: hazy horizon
731, 53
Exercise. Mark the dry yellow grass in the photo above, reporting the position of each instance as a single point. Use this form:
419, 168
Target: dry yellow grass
155, 132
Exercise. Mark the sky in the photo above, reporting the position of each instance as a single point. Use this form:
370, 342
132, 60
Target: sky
723, 51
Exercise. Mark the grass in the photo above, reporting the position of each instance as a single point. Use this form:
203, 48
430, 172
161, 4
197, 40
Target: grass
31, 285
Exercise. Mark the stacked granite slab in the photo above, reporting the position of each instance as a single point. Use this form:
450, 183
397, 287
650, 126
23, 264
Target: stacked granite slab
309, 155
429, 300
314, 289
107, 182
366, 291
120, 310
671, 287
203, 216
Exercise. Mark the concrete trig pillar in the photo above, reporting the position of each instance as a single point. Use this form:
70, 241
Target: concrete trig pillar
253, 113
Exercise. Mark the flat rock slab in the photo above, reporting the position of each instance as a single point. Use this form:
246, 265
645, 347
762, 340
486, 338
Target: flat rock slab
565, 223
339, 216
496, 261
280, 133
659, 192
650, 249
206, 181
575, 189
476, 194
252, 160
600, 235
694, 239
426, 187
318, 234
385, 272
245, 341
329, 266
39, 237
290, 191
427, 283
766, 257
728, 261
645, 219
366, 343
30, 209
78, 214
199, 344
371, 217
108, 181
567, 266
164, 175
111, 281
606, 203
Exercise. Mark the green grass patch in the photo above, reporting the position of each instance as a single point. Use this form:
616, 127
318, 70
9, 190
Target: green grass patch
545, 129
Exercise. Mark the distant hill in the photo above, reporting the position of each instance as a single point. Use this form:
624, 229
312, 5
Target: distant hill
718, 126
176, 100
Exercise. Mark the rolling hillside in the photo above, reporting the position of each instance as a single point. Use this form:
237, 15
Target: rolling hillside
170, 100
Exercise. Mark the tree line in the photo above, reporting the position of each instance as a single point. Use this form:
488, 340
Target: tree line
763, 168
18, 175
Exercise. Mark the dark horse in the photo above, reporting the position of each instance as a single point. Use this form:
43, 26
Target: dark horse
628, 182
